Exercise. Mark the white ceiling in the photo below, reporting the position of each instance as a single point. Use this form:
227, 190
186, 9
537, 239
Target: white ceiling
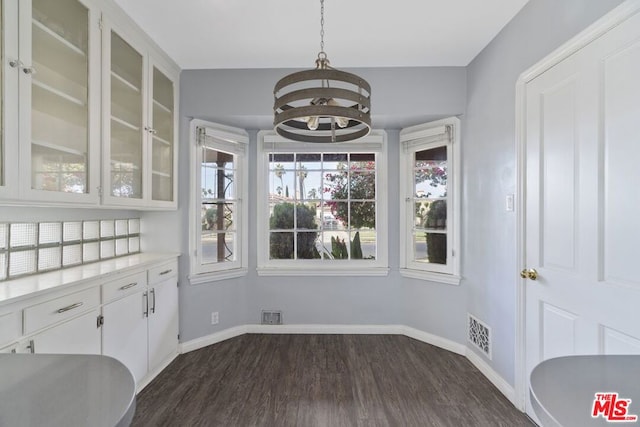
286, 33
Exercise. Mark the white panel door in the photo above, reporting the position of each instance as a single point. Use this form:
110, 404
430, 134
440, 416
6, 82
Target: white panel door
582, 204
124, 333
163, 322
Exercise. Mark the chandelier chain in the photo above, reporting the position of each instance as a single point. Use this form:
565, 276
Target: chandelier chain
321, 25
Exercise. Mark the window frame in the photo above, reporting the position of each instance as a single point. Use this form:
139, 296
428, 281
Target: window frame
269, 142
234, 141
445, 132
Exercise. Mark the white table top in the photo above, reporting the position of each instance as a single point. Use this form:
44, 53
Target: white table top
65, 390
563, 389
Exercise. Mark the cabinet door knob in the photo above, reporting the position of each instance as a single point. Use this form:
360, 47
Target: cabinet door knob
29, 70
15, 63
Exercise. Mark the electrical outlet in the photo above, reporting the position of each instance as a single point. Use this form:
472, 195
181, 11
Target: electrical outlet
214, 318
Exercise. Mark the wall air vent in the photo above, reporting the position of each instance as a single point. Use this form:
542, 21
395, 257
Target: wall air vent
270, 317
479, 334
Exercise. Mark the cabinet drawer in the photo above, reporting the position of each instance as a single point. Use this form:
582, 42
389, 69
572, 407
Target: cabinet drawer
10, 327
163, 272
57, 310
124, 286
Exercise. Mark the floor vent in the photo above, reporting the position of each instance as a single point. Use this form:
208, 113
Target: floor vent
479, 335
271, 317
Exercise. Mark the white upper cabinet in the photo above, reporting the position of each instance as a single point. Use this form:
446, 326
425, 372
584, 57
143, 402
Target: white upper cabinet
59, 94
163, 128
124, 129
9, 97
139, 99
80, 96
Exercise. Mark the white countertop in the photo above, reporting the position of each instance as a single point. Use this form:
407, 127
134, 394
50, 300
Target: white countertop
65, 390
563, 389
38, 284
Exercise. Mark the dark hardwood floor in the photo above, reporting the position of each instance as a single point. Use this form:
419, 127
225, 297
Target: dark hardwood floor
323, 380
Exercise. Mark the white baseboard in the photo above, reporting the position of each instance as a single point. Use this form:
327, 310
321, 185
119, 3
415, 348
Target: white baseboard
151, 375
446, 344
325, 329
436, 340
208, 340
495, 378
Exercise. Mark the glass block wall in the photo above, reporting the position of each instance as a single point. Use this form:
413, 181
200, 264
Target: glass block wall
35, 247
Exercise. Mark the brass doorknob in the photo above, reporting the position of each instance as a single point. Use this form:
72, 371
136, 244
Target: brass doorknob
529, 274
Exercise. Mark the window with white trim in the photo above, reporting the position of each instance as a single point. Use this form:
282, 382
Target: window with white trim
218, 221
322, 208
430, 201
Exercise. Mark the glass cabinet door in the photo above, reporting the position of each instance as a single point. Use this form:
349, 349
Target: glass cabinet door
2, 58
59, 96
126, 145
162, 137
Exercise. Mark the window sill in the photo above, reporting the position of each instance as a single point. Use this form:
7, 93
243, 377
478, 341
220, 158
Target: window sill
198, 279
429, 276
280, 271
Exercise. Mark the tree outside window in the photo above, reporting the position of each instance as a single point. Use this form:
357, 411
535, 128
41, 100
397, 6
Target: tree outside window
330, 211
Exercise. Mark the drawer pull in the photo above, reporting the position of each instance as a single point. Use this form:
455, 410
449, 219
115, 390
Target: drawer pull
70, 307
130, 285
162, 273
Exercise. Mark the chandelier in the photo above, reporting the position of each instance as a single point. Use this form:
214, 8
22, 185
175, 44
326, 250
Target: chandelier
323, 104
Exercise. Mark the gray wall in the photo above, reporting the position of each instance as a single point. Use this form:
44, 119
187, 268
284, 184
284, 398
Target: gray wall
243, 98
400, 96
489, 249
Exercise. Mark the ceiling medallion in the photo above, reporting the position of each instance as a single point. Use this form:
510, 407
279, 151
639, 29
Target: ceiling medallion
323, 104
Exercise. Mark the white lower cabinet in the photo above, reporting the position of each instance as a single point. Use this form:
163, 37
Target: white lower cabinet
141, 328
163, 322
131, 315
13, 348
81, 335
124, 333
10, 328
